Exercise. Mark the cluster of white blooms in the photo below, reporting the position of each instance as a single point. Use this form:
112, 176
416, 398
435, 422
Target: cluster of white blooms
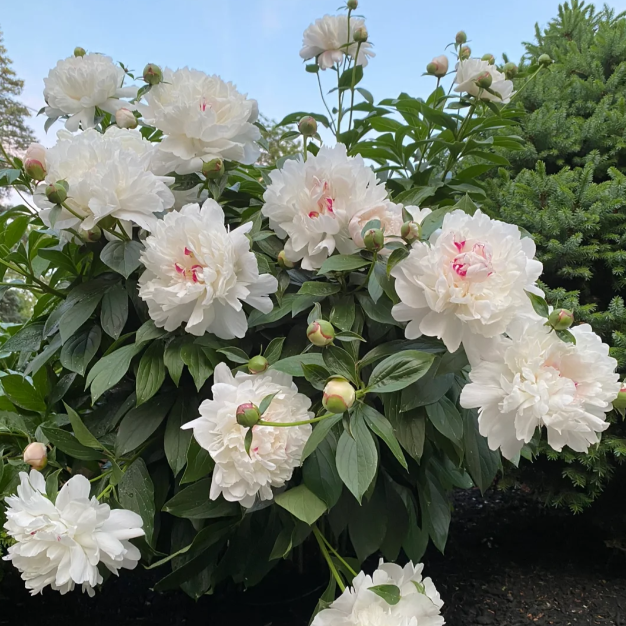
470, 72
274, 452
61, 544
419, 605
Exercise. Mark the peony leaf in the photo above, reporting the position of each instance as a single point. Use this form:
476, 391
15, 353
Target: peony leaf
343, 263
199, 462
236, 355
265, 403
319, 434
566, 336
81, 432
151, 372
293, 365
21, 393
247, 442
319, 472
399, 254
380, 426
78, 351
122, 256
318, 288
67, 443
274, 349
176, 440
340, 363
446, 418
193, 503
539, 304
399, 371
109, 370
302, 503
136, 493
389, 593
114, 311
481, 462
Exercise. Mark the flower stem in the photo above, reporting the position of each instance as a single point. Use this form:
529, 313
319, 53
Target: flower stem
337, 555
330, 115
329, 561
305, 139
523, 86
302, 423
356, 59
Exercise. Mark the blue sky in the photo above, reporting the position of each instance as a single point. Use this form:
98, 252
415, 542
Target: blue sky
255, 43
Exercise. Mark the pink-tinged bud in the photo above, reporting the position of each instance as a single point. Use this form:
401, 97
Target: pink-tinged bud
461, 37
561, 319
35, 161
352, 4
57, 192
410, 231
320, 333
284, 262
339, 395
489, 58
124, 118
307, 126
438, 66
248, 414
213, 168
374, 239
484, 80
360, 34
620, 401
95, 234
257, 364
465, 53
79, 52
510, 70
36, 455
152, 74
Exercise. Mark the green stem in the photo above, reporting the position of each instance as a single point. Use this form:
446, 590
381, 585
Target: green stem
20, 286
302, 423
329, 561
103, 475
44, 287
338, 103
358, 48
338, 556
523, 86
304, 141
106, 491
459, 136
330, 115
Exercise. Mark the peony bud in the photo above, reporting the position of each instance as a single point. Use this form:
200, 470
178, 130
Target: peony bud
307, 126
544, 60
484, 80
213, 168
510, 70
247, 414
152, 74
36, 455
339, 395
410, 231
284, 262
124, 118
461, 37
360, 34
489, 58
79, 52
35, 161
620, 401
257, 364
57, 192
320, 333
438, 66
465, 53
312, 68
374, 239
561, 319
95, 234
352, 4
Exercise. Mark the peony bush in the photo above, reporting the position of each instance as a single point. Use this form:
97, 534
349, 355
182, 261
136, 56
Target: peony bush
229, 361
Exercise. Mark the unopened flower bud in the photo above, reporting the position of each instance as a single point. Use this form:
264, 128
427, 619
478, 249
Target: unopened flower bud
352, 4
57, 192
124, 118
320, 333
307, 126
561, 319
360, 34
544, 60
247, 414
94, 234
36, 455
461, 37
152, 74
35, 161
438, 66
489, 58
374, 239
284, 262
339, 395
213, 168
620, 401
312, 68
465, 53
79, 52
410, 231
510, 70
257, 364
484, 80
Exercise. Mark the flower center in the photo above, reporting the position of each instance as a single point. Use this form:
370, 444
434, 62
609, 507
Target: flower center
189, 267
204, 104
473, 264
321, 194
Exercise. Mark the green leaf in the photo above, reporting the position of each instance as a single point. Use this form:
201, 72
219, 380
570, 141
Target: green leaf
78, 351
109, 370
399, 371
399, 254
19, 391
302, 503
196, 359
319, 434
446, 418
319, 472
176, 440
151, 372
316, 375
350, 77
409, 427
193, 503
199, 463
339, 362
81, 432
67, 443
343, 312
316, 288
236, 355
381, 426
378, 311
539, 304
173, 360
136, 493
122, 256
256, 318
265, 403
114, 311
274, 349
389, 593
77, 314
293, 365
342, 263
481, 462
566, 336
149, 331
435, 509
27, 339
14, 231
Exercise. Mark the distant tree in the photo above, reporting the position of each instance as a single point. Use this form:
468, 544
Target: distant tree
276, 148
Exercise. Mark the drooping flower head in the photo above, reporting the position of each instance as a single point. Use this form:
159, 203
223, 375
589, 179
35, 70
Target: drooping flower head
108, 175
312, 203
199, 273
327, 37
419, 605
274, 452
469, 71
61, 544
467, 283
79, 84
203, 118
536, 379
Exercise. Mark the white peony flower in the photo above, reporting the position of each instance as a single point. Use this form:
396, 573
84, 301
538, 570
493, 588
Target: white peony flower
420, 603
200, 273
467, 284
468, 71
327, 37
535, 380
108, 175
61, 544
203, 118
77, 85
391, 220
274, 452
312, 202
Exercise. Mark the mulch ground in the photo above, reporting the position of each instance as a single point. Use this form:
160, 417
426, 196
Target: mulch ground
509, 562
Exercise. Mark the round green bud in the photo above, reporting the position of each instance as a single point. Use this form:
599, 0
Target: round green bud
510, 70
410, 231
284, 262
544, 60
431, 68
339, 395
95, 234
352, 4
152, 74
312, 68
320, 333
79, 52
620, 401
307, 126
461, 37
360, 34
57, 192
465, 53
374, 239
489, 58
484, 80
213, 168
247, 414
257, 364
561, 319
